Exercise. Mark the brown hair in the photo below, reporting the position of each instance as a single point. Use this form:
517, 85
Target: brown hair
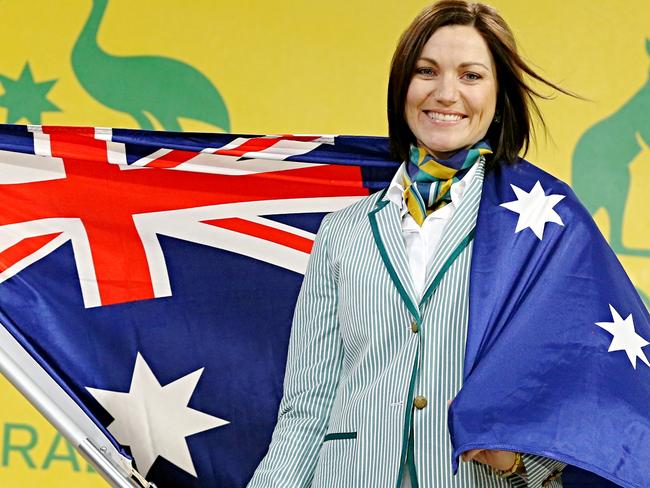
512, 129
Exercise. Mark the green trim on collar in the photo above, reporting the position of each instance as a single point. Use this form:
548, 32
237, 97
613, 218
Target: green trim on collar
380, 201
450, 260
389, 266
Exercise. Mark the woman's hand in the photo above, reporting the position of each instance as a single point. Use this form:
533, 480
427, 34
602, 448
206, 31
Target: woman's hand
500, 460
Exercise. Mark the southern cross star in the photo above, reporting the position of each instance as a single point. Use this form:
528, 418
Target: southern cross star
625, 337
535, 209
154, 420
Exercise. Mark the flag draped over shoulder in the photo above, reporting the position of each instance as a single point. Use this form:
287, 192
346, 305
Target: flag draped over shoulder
556, 362
152, 276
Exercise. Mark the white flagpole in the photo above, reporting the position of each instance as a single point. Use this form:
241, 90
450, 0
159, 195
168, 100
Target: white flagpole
65, 415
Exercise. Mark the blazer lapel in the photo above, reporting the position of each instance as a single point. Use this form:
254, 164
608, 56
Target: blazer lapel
386, 226
457, 235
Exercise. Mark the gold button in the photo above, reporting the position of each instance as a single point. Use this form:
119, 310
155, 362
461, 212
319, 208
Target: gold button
414, 327
420, 402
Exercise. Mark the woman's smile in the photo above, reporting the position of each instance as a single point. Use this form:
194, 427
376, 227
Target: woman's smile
444, 117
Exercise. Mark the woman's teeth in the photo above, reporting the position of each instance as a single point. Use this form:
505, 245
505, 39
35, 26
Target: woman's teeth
444, 117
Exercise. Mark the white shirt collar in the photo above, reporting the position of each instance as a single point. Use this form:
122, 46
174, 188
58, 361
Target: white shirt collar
395, 192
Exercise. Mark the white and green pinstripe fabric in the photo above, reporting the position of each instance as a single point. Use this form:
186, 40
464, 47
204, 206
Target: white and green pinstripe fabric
355, 365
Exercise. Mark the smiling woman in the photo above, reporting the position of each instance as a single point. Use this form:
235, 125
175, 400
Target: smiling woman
486, 56
452, 97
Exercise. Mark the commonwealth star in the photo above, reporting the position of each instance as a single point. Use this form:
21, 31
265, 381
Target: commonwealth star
535, 209
153, 420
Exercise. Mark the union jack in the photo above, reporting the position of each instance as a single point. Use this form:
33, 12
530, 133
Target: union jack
74, 186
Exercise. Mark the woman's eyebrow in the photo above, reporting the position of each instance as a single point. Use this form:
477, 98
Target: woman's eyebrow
461, 65
473, 63
428, 60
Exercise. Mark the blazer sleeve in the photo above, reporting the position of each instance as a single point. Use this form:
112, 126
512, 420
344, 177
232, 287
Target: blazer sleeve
311, 377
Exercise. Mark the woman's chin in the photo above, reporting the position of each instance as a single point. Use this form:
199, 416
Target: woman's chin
441, 151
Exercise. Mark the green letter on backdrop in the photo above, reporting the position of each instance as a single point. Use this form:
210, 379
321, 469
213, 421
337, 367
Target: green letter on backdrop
20, 448
70, 456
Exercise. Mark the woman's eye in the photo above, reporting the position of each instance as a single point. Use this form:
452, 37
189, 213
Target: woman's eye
425, 71
472, 76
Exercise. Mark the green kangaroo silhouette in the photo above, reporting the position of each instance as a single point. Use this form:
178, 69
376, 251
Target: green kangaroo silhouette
163, 87
602, 158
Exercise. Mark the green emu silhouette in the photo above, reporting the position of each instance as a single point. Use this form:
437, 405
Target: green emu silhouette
163, 87
602, 159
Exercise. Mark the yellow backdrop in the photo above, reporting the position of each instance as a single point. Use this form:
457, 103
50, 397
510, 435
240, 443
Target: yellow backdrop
313, 67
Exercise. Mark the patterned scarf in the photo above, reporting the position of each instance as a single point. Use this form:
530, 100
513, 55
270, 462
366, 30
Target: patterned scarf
427, 181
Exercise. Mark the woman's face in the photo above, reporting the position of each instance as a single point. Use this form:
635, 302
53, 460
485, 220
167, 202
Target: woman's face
452, 97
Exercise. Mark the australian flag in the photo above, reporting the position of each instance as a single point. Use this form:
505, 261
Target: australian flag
148, 280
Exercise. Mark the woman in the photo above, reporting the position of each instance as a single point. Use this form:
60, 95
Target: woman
378, 339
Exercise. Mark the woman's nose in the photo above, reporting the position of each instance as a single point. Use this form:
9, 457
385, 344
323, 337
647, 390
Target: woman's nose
446, 91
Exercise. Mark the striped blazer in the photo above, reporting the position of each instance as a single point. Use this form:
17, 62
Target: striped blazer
364, 346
